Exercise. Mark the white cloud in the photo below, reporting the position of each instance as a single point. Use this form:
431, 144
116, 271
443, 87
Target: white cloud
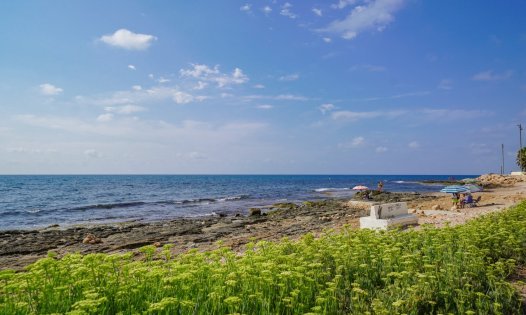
492, 76
355, 116
132, 67
91, 153
200, 85
137, 87
327, 39
105, 117
285, 11
246, 7
197, 156
445, 84
266, 9
182, 97
258, 86
140, 96
281, 97
324, 108
413, 145
381, 149
354, 143
317, 11
290, 77
206, 74
126, 39
265, 106
375, 15
342, 4
163, 80
126, 109
453, 114
50, 89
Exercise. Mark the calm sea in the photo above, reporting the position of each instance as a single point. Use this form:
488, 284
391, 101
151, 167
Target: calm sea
28, 202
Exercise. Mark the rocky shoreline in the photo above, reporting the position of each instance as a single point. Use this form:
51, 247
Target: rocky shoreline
21, 248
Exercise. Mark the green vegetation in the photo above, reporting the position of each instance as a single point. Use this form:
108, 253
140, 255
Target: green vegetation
454, 270
521, 159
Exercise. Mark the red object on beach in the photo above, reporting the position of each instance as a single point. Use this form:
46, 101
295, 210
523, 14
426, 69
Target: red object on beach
360, 187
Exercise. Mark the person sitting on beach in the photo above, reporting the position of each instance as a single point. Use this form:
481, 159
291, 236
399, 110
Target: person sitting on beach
461, 201
455, 200
468, 200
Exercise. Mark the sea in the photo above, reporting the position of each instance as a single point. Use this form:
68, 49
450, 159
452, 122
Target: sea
33, 202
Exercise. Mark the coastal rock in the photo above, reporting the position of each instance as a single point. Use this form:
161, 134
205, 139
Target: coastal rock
157, 244
254, 212
91, 239
436, 207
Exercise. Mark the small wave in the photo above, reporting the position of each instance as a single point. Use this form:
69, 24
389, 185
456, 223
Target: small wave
330, 189
232, 198
32, 211
110, 205
399, 181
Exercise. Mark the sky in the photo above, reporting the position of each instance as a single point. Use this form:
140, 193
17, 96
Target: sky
261, 87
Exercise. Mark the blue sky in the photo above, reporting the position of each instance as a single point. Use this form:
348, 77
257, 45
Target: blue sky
261, 87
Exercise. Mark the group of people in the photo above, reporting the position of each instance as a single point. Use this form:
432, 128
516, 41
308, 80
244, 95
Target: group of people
461, 200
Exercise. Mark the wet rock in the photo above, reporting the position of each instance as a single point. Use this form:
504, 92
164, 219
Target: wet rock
91, 239
254, 212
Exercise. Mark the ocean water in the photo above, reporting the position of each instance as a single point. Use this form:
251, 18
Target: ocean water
28, 202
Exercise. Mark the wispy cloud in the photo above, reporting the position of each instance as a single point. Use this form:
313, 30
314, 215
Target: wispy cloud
324, 108
490, 75
49, 89
246, 8
132, 67
126, 39
280, 97
343, 3
126, 109
289, 77
105, 117
317, 11
266, 9
354, 143
413, 145
205, 73
375, 15
355, 116
265, 106
286, 11
396, 96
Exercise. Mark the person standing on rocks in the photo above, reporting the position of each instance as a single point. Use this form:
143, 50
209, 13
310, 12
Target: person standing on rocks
380, 186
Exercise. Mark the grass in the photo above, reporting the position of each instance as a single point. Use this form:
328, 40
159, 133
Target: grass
453, 270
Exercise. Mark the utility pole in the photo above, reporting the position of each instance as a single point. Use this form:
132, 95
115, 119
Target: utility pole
502, 167
520, 148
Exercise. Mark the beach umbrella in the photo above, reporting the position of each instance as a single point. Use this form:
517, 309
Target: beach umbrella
473, 188
360, 187
454, 189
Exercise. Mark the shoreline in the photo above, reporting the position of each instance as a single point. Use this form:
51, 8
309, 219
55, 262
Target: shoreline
19, 248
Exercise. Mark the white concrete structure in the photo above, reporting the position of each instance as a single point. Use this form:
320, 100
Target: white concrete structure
517, 173
388, 215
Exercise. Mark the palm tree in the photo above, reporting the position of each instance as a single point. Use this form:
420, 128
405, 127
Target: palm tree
521, 159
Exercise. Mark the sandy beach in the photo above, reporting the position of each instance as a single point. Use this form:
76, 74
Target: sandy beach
20, 248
